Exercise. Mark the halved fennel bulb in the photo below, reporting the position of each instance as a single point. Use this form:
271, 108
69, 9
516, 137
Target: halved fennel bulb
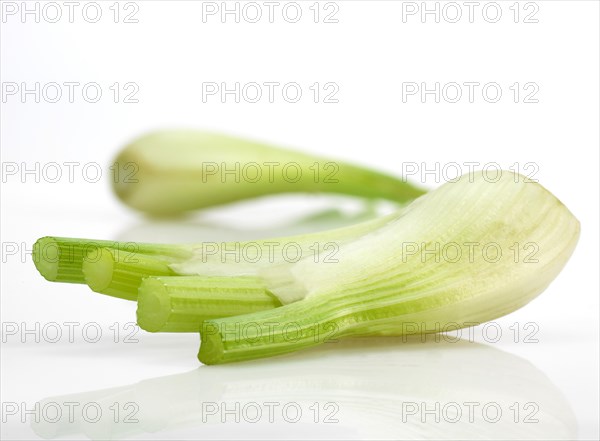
465, 253
468, 252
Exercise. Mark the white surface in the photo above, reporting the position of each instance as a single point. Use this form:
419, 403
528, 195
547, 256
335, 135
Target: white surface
369, 54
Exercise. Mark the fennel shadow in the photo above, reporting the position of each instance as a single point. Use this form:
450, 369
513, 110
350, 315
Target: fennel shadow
376, 388
264, 218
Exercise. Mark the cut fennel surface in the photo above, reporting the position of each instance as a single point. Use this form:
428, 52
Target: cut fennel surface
466, 253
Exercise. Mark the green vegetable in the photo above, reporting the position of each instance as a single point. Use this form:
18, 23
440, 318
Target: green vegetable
407, 276
62, 259
468, 252
170, 172
180, 304
117, 268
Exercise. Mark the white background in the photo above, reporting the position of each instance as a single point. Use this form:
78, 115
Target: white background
369, 53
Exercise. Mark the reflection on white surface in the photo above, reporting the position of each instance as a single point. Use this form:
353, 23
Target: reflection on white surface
362, 388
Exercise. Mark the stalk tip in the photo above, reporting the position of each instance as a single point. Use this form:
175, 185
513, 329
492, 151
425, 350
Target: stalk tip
97, 269
211, 346
154, 305
46, 256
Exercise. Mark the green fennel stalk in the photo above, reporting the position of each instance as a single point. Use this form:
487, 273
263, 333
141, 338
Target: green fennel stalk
170, 172
117, 268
